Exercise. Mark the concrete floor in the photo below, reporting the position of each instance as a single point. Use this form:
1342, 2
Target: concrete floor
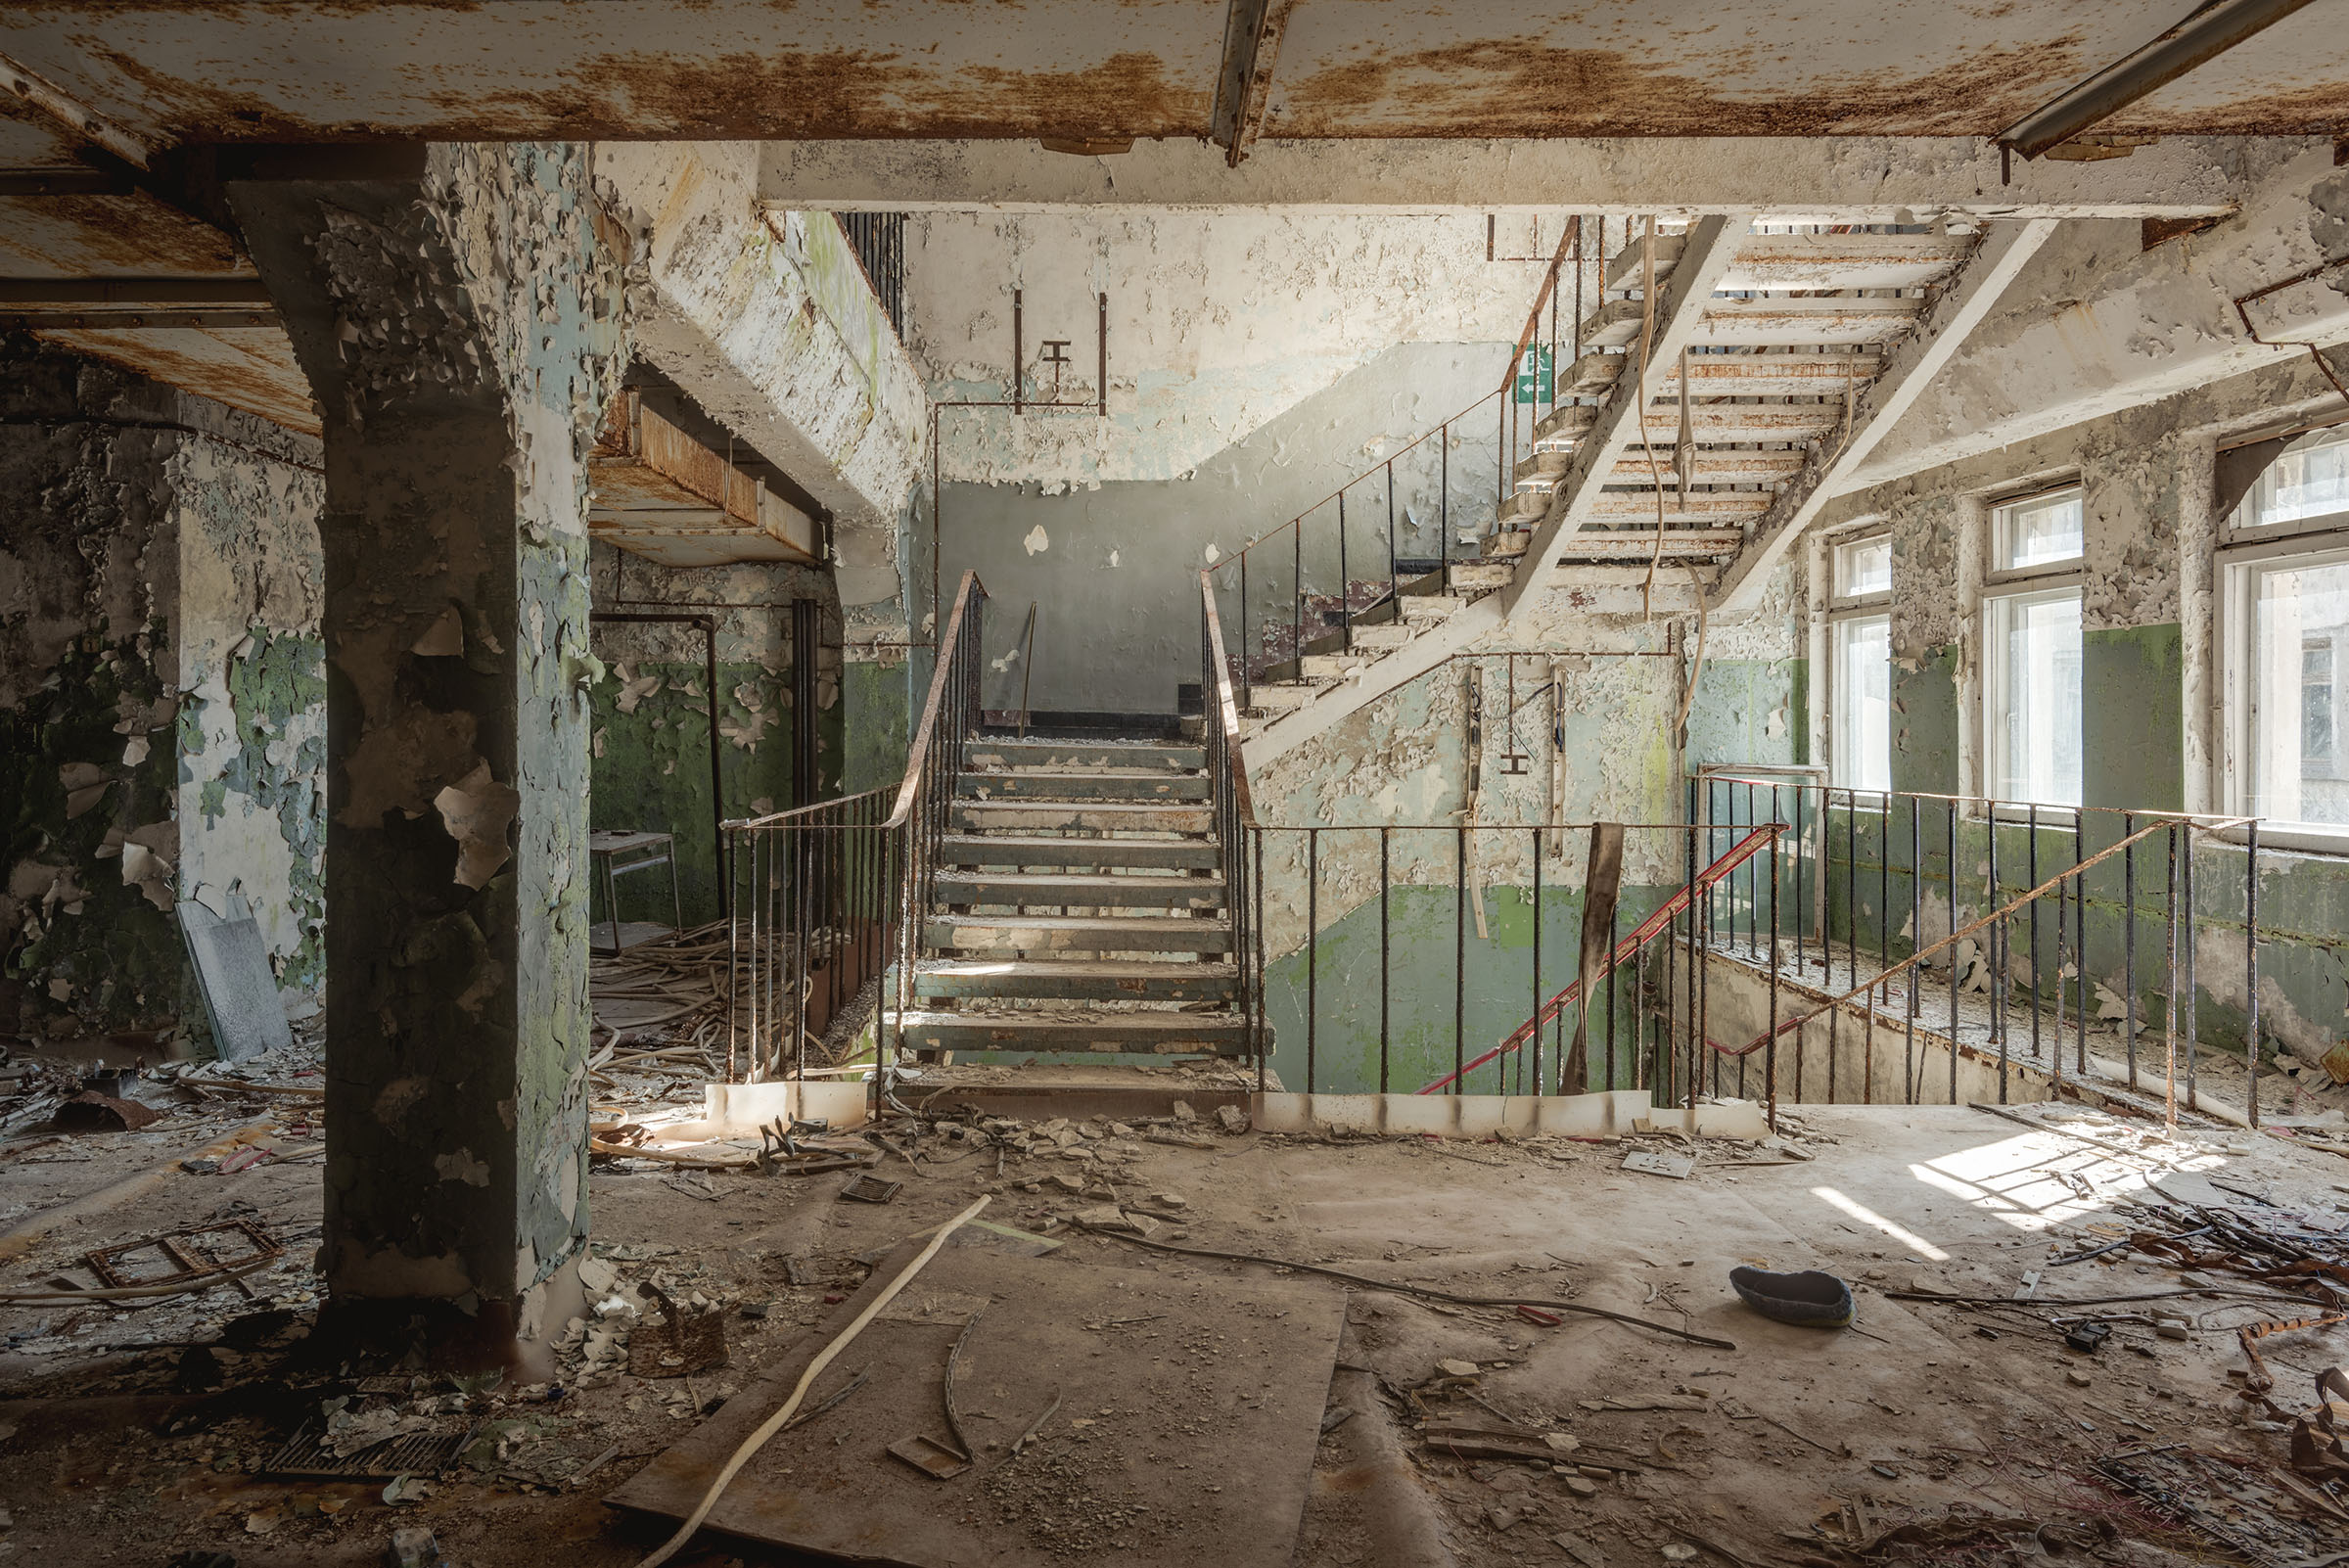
1910, 1413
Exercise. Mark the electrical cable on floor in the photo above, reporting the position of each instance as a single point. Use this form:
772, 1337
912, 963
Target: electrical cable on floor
1417, 1290
823, 1359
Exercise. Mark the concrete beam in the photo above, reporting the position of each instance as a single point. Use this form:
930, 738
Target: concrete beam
766, 321
1956, 311
2098, 324
1876, 179
1706, 255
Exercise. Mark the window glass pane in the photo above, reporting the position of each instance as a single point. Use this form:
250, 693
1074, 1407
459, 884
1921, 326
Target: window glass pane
2033, 692
1863, 699
2034, 533
2308, 479
2300, 630
1864, 567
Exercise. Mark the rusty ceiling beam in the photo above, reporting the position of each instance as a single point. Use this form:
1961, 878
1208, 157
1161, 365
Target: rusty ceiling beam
2209, 32
1252, 30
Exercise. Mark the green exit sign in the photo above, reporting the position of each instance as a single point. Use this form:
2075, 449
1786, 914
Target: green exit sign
1537, 381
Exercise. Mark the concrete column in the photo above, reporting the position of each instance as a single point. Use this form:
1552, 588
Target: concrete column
457, 318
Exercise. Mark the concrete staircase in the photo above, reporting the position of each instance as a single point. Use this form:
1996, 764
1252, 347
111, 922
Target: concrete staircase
1796, 344
1079, 906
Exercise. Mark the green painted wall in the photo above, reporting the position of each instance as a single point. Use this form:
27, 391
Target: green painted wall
2132, 717
651, 771
1927, 738
876, 724
1495, 989
94, 953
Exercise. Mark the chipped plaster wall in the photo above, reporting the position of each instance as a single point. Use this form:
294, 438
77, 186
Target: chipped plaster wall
650, 737
1114, 569
766, 321
158, 670
1220, 322
2152, 678
2096, 324
463, 333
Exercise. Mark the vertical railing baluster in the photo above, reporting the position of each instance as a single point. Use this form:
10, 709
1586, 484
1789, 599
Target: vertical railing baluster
2187, 936
1996, 990
1313, 946
2252, 961
1769, 1060
1459, 962
2170, 968
2038, 960
1953, 931
1536, 1014
1383, 985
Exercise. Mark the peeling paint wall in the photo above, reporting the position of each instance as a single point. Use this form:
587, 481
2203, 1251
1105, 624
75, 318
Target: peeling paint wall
1220, 322
1114, 569
159, 676
463, 333
650, 738
766, 321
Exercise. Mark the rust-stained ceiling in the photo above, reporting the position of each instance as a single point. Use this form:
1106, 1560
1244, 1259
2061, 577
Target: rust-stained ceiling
277, 70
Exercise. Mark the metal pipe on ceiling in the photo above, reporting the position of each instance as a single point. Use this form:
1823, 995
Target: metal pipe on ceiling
2209, 32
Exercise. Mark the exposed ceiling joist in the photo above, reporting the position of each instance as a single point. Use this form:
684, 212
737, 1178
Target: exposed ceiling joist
1252, 30
1850, 180
2209, 32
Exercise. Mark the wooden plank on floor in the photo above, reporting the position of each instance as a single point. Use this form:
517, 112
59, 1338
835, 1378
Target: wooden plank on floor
1178, 1461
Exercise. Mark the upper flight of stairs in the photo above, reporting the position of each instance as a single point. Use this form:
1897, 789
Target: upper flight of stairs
1794, 329
1079, 906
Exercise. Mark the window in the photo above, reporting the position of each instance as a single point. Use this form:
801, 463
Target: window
1863, 740
2030, 696
2284, 631
1863, 568
2037, 530
2308, 479
1859, 663
2298, 635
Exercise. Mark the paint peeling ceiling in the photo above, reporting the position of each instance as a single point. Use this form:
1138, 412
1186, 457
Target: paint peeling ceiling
284, 69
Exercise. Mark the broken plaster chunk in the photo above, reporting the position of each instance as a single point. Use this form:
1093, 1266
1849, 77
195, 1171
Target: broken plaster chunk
478, 811
444, 638
1455, 1368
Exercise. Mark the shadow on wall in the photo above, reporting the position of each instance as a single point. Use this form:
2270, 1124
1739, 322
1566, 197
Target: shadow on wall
1113, 569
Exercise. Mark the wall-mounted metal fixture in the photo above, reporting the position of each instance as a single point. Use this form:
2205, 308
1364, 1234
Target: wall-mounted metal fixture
1056, 355
2209, 32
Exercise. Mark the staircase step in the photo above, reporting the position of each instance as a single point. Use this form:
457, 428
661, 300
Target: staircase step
1106, 816
1430, 608
1718, 424
1007, 848
1701, 506
1481, 573
1022, 890
1280, 696
1063, 755
1076, 1031
1772, 261
1098, 784
1381, 637
1078, 933
1337, 665
1076, 979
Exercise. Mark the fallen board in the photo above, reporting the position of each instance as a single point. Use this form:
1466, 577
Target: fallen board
239, 992
1183, 1438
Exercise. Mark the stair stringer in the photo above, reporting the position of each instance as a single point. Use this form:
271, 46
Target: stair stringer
1332, 705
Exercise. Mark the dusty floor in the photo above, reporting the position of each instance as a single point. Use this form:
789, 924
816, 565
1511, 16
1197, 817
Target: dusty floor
126, 1446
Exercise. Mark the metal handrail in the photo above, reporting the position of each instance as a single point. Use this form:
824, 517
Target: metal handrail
942, 677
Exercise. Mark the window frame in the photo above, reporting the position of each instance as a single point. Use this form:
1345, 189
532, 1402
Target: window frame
1843, 608
2249, 554
1994, 575
2044, 586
